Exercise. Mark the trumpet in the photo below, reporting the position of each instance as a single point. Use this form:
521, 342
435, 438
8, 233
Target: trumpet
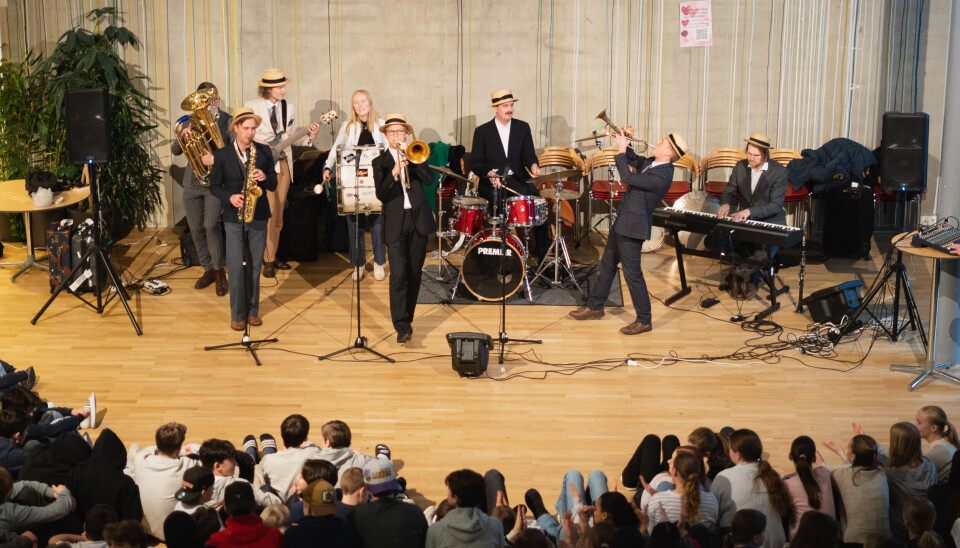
616, 129
416, 152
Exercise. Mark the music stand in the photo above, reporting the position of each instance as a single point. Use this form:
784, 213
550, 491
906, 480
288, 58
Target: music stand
361, 342
94, 262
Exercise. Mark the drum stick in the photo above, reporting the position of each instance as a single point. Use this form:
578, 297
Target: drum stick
505, 187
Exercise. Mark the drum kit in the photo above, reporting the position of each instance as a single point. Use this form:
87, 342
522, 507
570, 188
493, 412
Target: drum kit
489, 238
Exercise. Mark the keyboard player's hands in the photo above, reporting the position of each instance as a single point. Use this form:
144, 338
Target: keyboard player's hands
954, 248
742, 215
723, 211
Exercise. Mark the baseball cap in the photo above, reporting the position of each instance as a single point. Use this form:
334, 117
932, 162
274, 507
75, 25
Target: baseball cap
322, 498
380, 476
238, 499
194, 481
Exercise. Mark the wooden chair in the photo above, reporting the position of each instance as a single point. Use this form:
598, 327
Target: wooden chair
718, 159
679, 187
799, 199
561, 159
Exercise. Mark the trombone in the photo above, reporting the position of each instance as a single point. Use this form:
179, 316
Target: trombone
416, 152
616, 129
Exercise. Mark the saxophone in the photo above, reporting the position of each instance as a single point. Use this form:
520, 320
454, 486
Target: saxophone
251, 190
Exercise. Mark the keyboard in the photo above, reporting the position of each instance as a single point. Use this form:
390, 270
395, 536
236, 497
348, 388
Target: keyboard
757, 232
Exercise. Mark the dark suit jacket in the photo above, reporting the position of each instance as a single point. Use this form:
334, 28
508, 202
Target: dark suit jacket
644, 192
488, 154
390, 192
228, 176
766, 201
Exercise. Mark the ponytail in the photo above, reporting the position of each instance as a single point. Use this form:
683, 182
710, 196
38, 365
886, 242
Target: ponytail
938, 417
747, 443
803, 453
930, 539
688, 469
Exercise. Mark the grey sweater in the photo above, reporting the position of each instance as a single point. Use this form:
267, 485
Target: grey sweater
738, 488
466, 527
905, 483
20, 518
864, 502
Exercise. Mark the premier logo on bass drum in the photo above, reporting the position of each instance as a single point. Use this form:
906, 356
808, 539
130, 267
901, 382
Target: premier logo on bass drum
494, 251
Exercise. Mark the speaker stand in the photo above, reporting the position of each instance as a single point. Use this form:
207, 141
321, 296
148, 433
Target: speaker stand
94, 261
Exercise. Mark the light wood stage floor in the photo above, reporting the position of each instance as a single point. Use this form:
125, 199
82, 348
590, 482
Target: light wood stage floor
533, 430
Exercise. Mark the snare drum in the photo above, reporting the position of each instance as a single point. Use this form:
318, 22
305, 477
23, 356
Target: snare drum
355, 188
492, 265
469, 216
526, 211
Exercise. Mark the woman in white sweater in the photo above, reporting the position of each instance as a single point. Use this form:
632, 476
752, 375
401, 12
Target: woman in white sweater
752, 483
687, 500
864, 496
936, 430
362, 129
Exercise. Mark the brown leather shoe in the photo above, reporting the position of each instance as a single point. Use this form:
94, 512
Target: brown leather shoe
281, 265
584, 313
636, 328
236, 326
221, 279
269, 270
750, 291
208, 278
255, 321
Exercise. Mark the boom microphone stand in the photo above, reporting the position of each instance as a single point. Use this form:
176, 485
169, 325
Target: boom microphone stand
98, 264
361, 342
246, 342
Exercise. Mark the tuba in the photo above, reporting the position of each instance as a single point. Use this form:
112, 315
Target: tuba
205, 135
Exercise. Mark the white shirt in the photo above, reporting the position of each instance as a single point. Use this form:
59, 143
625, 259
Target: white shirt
240, 152
504, 132
406, 197
755, 176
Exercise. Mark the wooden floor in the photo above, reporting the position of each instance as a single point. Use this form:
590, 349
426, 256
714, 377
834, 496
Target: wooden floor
532, 429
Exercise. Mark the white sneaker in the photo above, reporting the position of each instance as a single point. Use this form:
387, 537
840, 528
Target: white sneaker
378, 273
91, 421
359, 273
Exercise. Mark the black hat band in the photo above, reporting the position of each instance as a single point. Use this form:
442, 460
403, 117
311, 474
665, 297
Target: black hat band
676, 147
503, 98
764, 144
275, 80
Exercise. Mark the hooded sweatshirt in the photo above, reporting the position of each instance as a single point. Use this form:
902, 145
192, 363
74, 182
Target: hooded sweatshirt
321, 532
344, 459
20, 518
248, 531
100, 480
159, 478
52, 463
389, 521
281, 469
466, 527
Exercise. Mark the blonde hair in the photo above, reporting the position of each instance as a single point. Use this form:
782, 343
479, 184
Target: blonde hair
277, 516
938, 417
372, 116
904, 445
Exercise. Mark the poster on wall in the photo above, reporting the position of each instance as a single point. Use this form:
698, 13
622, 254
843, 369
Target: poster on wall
696, 24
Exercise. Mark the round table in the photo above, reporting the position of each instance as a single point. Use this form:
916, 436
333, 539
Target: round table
14, 199
931, 369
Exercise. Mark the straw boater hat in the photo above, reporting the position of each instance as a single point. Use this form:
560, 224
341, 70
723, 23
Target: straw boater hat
677, 143
395, 119
272, 78
244, 113
502, 96
758, 140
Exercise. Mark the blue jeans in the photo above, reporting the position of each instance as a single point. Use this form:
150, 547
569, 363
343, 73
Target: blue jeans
257, 241
596, 482
358, 256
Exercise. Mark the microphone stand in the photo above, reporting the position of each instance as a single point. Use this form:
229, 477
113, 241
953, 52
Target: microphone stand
502, 337
245, 341
361, 342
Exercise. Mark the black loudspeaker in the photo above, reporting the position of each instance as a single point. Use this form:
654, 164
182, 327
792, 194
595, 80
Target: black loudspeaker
88, 125
470, 352
188, 250
833, 303
298, 239
903, 158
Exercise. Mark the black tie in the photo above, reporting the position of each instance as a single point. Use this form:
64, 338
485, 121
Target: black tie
246, 154
273, 118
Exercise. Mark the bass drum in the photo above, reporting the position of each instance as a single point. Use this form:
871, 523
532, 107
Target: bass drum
484, 274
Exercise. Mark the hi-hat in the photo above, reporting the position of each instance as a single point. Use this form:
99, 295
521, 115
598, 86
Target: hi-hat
449, 173
567, 193
557, 176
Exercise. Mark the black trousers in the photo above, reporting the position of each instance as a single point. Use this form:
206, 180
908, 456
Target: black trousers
406, 256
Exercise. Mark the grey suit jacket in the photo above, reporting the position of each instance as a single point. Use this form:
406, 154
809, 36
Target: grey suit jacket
645, 190
766, 201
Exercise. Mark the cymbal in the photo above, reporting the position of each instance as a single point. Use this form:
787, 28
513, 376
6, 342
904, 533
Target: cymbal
558, 176
565, 194
449, 172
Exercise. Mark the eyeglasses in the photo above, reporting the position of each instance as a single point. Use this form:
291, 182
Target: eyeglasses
396, 132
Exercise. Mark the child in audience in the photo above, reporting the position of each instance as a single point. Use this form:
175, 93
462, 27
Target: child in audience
864, 497
946, 499
311, 471
919, 516
935, 429
13, 434
747, 529
280, 469
10, 377
909, 473
387, 520
197, 490
809, 487
321, 527
19, 518
125, 534
158, 471
688, 499
96, 520
354, 491
816, 530
336, 448
276, 515
244, 527
752, 483
466, 524
221, 457
46, 421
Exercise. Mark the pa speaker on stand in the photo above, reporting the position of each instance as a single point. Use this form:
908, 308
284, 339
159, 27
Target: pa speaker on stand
903, 155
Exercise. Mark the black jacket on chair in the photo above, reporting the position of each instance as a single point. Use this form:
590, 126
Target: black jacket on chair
390, 193
488, 154
228, 176
766, 201
645, 190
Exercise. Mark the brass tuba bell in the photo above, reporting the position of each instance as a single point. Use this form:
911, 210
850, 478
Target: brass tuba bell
205, 135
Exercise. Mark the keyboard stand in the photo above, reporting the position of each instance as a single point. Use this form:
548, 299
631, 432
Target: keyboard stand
765, 265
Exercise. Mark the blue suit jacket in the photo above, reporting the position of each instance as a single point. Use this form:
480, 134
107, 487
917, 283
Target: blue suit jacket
645, 190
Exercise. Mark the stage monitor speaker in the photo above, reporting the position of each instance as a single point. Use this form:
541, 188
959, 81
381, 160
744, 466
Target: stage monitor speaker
470, 352
903, 155
88, 125
833, 303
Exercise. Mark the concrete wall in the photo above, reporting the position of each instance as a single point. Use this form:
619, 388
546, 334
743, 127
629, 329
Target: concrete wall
800, 72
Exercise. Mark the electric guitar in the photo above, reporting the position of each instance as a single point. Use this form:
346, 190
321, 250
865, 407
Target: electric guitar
280, 144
